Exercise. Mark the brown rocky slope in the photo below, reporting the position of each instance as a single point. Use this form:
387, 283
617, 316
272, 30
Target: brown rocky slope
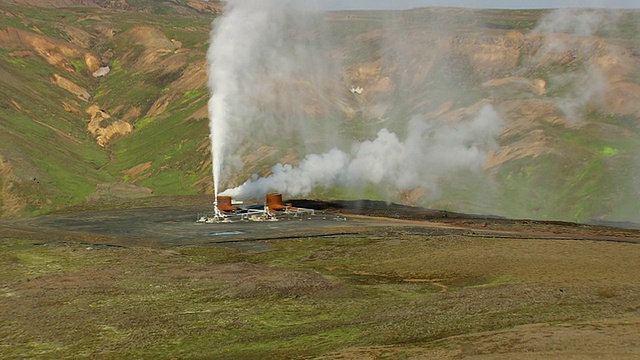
95, 87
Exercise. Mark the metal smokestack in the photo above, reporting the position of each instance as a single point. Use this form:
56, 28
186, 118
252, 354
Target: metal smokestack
224, 204
274, 202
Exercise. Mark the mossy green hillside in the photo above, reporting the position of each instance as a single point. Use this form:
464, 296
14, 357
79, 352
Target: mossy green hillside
585, 178
59, 161
173, 147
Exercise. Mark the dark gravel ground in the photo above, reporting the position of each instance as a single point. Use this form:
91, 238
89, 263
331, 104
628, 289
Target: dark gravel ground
158, 224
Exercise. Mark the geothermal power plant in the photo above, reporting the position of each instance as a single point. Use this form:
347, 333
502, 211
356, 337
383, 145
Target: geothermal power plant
226, 210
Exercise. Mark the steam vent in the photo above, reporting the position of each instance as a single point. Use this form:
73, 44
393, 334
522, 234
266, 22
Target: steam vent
224, 204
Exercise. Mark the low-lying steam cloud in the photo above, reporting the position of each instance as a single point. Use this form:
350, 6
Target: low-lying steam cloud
581, 22
265, 56
427, 154
385, 103
569, 40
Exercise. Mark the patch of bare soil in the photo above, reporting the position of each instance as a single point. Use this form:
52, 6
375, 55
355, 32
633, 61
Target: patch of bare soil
53, 51
106, 192
245, 280
206, 6
605, 339
103, 127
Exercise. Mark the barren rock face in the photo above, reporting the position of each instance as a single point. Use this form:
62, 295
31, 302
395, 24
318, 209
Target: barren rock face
71, 87
92, 61
104, 128
206, 6
54, 52
491, 54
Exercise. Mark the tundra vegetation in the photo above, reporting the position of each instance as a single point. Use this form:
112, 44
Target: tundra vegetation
78, 151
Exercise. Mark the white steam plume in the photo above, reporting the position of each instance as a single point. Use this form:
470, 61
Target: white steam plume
426, 155
260, 61
581, 22
569, 39
271, 77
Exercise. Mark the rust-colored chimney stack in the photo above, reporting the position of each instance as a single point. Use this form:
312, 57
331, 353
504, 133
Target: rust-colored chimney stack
274, 202
224, 204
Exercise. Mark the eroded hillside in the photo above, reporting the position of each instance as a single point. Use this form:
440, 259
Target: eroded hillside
567, 96
80, 83
97, 92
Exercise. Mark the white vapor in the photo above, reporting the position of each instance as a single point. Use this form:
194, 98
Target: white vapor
569, 35
425, 156
581, 22
265, 60
259, 64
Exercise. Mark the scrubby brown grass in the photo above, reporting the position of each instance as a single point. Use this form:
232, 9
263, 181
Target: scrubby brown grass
402, 293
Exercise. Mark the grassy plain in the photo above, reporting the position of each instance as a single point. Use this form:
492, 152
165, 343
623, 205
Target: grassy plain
391, 289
